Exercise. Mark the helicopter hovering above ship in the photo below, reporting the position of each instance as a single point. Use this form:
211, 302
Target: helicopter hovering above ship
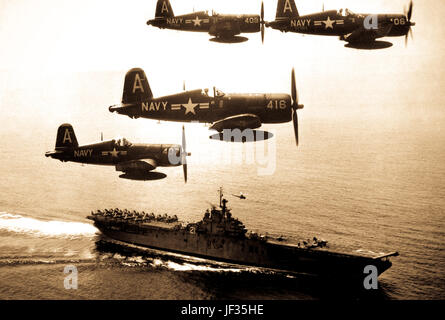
358, 29
224, 27
135, 160
223, 111
240, 195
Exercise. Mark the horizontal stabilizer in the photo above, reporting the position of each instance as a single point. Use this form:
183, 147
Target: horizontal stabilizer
53, 153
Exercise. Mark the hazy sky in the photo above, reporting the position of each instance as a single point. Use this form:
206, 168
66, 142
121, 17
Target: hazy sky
47, 41
56, 35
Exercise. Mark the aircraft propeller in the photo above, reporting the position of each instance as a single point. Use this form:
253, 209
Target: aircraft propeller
262, 22
184, 154
410, 24
295, 105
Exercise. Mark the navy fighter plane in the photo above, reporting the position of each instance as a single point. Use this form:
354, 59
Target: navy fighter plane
124, 155
354, 28
223, 111
221, 26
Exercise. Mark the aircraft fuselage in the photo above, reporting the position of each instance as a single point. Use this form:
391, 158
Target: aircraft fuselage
108, 153
219, 25
197, 106
331, 23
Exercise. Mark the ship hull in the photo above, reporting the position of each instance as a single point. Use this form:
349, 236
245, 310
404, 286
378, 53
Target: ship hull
247, 251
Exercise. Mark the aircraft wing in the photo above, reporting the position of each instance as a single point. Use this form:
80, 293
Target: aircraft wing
368, 35
137, 165
225, 27
241, 121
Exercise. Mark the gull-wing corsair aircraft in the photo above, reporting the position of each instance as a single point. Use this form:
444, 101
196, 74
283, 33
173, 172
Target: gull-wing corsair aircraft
354, 28
131, 158
223, 111
222, 26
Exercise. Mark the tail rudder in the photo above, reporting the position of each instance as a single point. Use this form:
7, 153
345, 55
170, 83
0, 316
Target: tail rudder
136, 87
286, 9
66, 138
164, 9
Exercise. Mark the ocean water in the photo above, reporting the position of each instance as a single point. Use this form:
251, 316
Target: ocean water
368, 175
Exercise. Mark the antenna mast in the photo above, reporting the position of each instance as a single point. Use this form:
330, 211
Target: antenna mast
220, 195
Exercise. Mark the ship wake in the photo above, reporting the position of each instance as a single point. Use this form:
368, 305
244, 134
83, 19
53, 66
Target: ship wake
40, 228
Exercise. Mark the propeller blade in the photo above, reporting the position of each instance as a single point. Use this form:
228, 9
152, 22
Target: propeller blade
295, 121
410, 32
408, 15
295, 105
262, 12
262, 33
183, 139
184, 169
184, 155
262, 22
410, 10
294, 90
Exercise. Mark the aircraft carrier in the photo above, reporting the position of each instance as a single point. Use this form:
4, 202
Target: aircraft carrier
220, 236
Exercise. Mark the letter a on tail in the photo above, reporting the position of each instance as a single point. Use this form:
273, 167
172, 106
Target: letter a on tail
164, 9
66, 137
286, 9
136, 87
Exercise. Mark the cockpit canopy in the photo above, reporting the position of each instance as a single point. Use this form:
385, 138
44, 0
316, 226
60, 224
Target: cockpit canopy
219, 93
212, 13
216, 92
345, 12
122, 142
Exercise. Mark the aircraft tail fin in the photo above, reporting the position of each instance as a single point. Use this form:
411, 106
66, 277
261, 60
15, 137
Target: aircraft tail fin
286, 9
65, 137
164, 9
136, 87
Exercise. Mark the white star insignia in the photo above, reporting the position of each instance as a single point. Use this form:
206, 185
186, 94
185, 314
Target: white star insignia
329, 23
190, 106
197, 21
114, 153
